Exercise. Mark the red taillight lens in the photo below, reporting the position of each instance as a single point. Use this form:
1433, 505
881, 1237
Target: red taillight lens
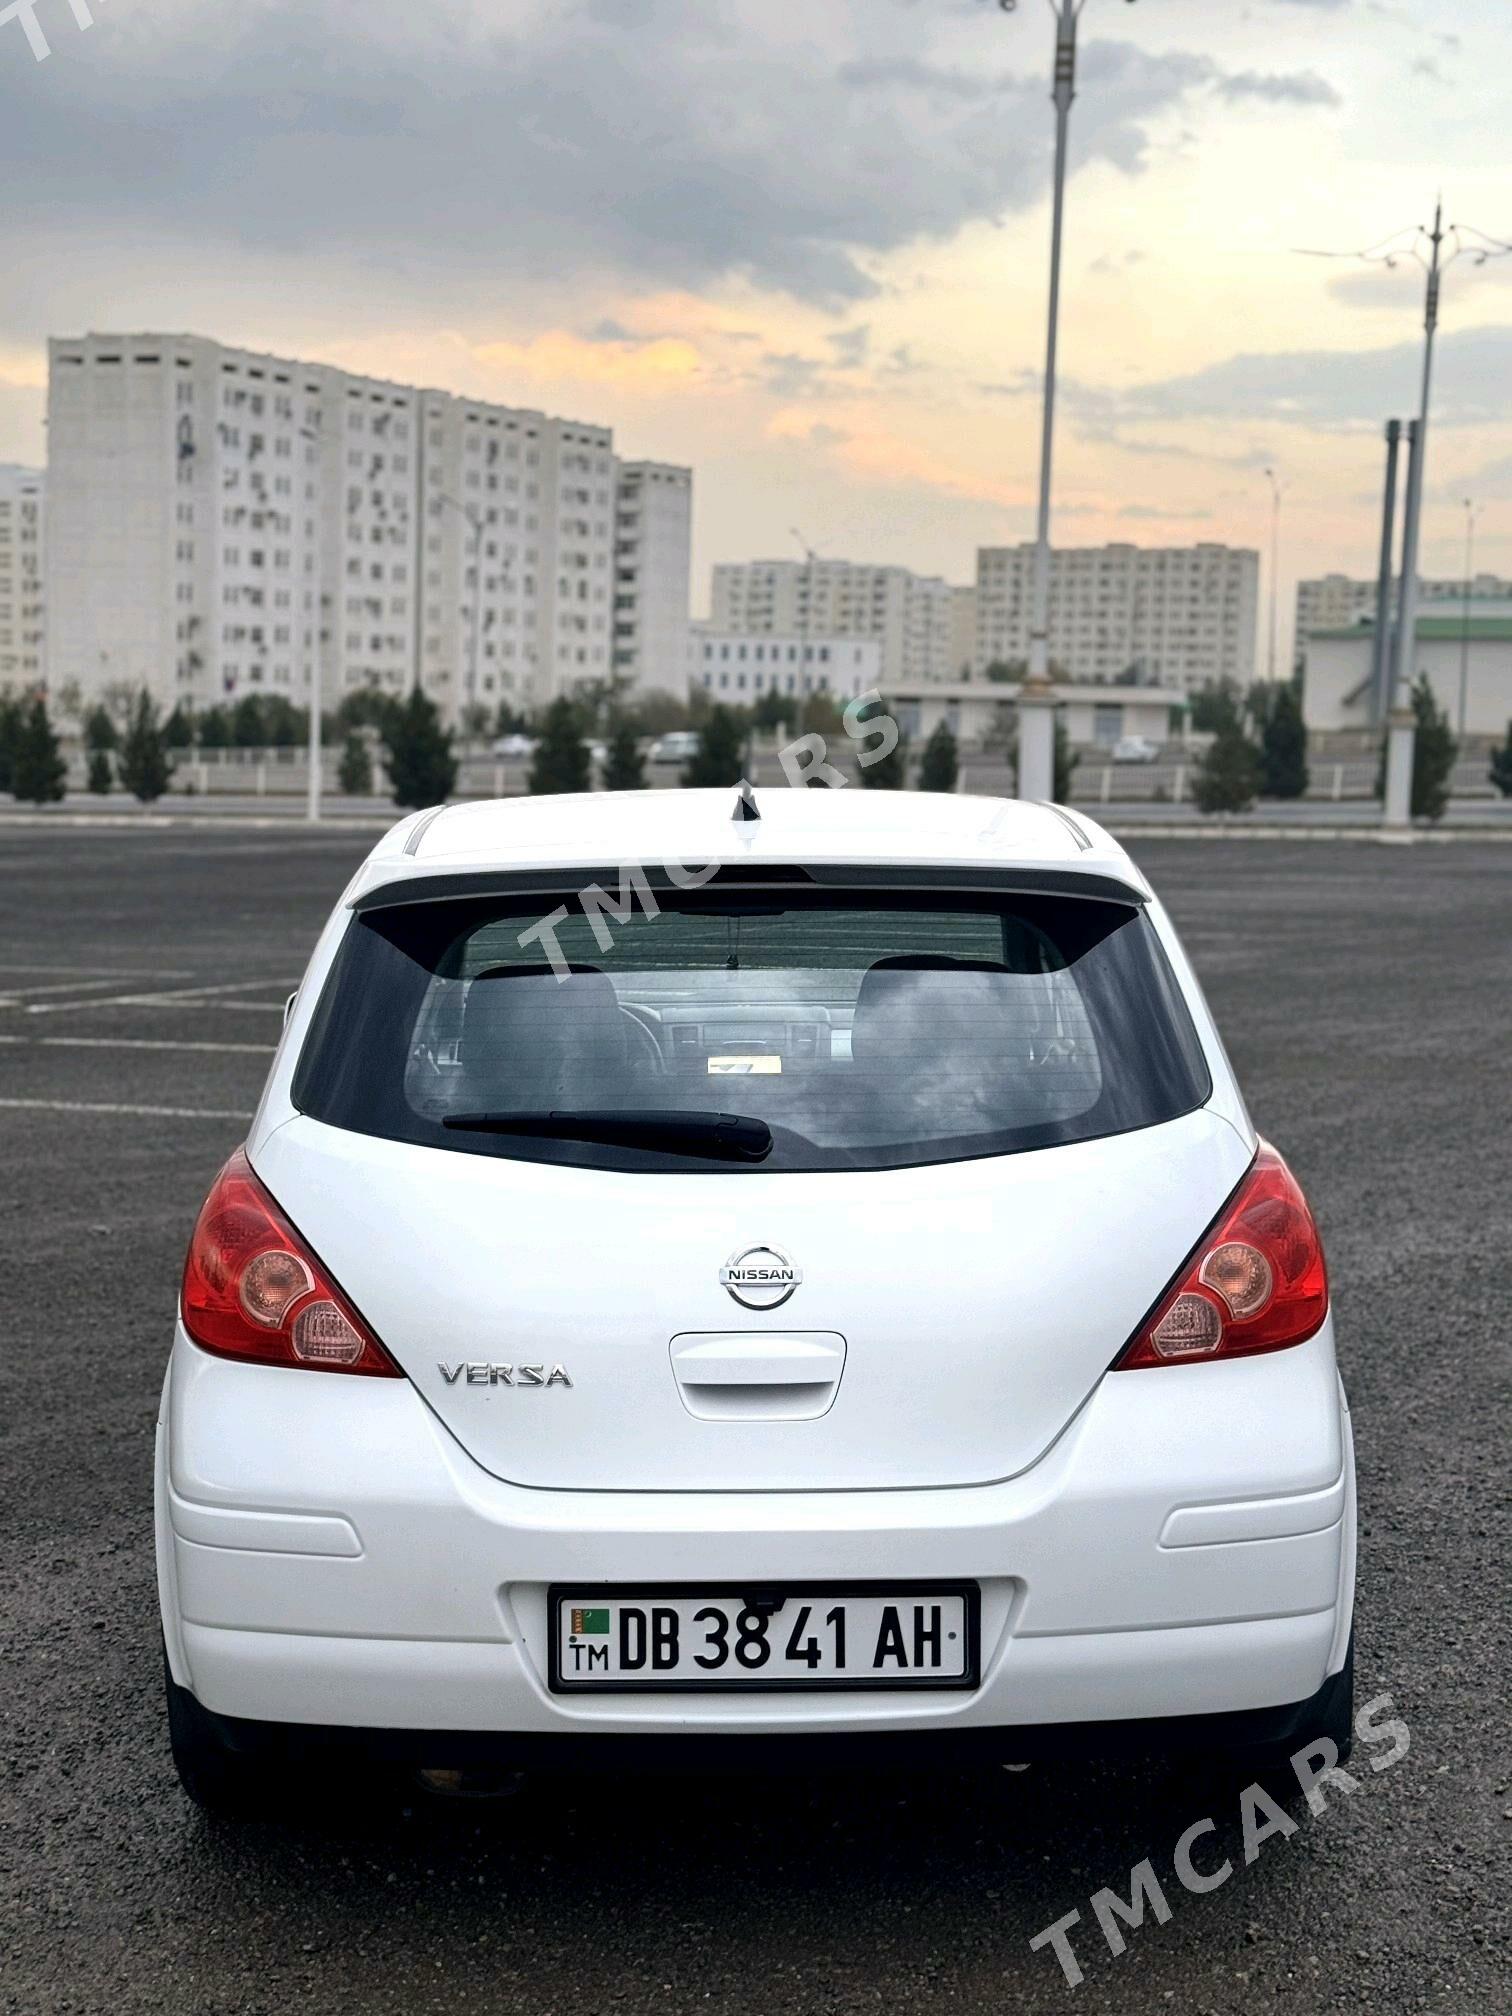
1257, 1282
253, 1289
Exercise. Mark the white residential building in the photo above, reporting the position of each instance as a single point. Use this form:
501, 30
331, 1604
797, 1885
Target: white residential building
909, 615
653, 532
1466, 658
1172, 616
23, 658
739, 667
519, 538
1336, 601
216, 516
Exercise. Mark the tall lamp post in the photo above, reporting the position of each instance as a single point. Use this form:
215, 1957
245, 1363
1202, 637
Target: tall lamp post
1401, 730
314, 759
1278, 491
1472, 512
1435, 251
1036, 697
806, 617
473, 518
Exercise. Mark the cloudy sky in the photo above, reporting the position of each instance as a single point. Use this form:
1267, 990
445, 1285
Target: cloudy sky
802, 244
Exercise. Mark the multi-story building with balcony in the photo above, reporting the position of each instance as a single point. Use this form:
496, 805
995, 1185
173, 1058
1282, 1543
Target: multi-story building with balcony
23, 624
652, 570
909, 616
222, 522
1173, 616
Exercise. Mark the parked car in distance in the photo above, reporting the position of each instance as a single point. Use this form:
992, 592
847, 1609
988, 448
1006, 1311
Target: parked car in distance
1135, 749
514, 745
681, 746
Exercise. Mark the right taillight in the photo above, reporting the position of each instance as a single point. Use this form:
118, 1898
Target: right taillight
1257, 1282
254, 1290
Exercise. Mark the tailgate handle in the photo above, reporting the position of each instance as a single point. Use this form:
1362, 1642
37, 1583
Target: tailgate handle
758, 1360
759, 1375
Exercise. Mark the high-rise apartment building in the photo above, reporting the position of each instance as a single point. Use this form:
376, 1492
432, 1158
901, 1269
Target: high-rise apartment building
909, 615
1172, 616
518, 531
653, 532
221, 521
23, 658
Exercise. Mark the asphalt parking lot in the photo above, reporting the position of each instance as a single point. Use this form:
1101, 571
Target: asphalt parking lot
1366, 995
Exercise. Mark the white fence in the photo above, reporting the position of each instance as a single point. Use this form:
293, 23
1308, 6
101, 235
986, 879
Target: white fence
279, 773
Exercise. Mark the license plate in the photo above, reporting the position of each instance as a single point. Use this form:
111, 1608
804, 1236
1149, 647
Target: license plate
727, 1639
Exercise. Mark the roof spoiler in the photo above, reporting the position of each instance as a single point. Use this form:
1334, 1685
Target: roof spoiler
477, 884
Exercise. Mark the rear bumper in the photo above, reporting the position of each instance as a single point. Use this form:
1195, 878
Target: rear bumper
329, 1558
1261, 1730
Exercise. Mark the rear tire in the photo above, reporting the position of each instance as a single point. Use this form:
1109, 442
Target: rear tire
1332, 1721
253, 1785
219, 1781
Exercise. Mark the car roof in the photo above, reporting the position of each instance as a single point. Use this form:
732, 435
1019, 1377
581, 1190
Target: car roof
849, 827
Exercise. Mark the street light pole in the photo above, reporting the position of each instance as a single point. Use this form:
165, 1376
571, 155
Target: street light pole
1471, 514
1064, 94
1401, 731
1278, 489
475, 520
314, 757
1036, 697
1380, 643
1462, 240
806, 619
472, 517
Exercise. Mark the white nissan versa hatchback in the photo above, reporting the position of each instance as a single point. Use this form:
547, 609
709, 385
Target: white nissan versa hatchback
817, 1289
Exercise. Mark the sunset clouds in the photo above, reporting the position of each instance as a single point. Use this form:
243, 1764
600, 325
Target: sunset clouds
804, 248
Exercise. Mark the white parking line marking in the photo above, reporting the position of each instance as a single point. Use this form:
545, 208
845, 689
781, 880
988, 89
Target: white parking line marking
240, 1007
187, 1007
177, 1007
102, 972
14, 994
100, 1106
136, 1043
174, 997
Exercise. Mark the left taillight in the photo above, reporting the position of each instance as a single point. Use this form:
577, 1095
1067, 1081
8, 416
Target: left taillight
254, 1290
1257, 1282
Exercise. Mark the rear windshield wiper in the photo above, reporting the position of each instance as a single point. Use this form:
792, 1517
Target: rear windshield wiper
721, 1137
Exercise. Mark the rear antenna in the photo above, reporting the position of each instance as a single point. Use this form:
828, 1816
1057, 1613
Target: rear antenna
746, 807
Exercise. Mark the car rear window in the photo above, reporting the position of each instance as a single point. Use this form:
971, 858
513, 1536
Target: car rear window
866, 1029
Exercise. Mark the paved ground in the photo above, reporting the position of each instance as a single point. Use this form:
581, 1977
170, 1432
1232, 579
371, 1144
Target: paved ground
1365, 994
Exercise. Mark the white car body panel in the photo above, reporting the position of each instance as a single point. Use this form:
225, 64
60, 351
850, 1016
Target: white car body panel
961, 1374
376, 1554
440, 1620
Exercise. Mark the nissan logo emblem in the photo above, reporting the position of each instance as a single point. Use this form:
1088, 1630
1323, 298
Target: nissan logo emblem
762, 1277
